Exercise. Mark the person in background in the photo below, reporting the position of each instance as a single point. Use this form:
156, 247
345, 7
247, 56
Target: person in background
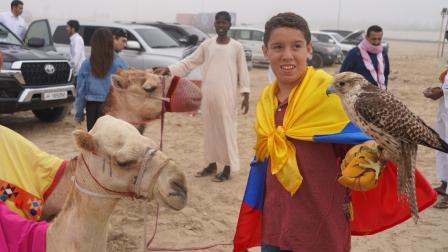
224, 70
13, 20
369, 59
94, 77
120, 39
441, 93
77, 54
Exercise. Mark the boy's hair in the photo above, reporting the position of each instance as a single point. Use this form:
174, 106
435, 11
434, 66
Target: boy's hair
73, 24
16, 3
286, 19
374, 28
225, 15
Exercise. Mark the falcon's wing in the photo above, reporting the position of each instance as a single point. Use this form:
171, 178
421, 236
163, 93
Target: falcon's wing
384, 111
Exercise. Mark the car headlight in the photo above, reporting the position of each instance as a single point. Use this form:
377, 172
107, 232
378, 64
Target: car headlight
6, 66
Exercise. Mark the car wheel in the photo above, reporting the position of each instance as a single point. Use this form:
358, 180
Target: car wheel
317, 61
53, 114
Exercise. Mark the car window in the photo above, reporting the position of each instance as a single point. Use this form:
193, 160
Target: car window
60, 35
40, 30
174, 33
6, 37
243, 34
232, 34
87, 33
257, 35
155, 38
338, 37
193, 30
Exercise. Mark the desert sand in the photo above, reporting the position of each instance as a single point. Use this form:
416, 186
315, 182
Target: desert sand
213, 208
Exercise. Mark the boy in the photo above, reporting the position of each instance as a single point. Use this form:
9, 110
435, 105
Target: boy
299, 204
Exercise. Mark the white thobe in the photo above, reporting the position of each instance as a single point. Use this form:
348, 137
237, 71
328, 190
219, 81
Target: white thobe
442, 129
15, 23
224, 71
77, 54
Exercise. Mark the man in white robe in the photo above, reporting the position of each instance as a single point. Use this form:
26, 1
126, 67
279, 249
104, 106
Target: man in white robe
225, 73
441, 93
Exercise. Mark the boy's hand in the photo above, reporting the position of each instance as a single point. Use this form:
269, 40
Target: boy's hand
162, 71
433, 93
245, 103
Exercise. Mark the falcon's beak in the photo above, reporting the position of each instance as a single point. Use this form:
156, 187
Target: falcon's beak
330, 90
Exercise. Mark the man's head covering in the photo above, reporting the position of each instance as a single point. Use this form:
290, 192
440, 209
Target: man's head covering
120, 33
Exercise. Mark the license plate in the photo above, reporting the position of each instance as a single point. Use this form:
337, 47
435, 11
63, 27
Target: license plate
55, 96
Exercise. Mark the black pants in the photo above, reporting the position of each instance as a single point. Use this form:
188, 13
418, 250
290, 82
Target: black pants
94, 110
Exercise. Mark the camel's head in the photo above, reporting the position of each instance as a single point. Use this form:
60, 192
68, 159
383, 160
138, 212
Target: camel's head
140, 94
135, 92
121, 160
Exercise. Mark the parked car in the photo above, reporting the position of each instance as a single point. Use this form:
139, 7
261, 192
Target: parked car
324, 54
348, 42
180, 33
33, 79
251, 38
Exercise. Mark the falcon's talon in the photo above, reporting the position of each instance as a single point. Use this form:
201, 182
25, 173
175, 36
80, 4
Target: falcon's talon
372, 165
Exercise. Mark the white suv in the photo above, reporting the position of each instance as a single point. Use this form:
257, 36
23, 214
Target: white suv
251, 38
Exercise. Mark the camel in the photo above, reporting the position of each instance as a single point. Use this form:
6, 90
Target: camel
115, 161
135, 96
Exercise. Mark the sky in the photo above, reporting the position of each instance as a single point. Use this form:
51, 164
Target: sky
412, 15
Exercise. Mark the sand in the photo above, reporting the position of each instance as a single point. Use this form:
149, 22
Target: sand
212, 210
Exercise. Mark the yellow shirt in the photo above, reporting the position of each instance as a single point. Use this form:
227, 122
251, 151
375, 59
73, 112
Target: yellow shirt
24, 166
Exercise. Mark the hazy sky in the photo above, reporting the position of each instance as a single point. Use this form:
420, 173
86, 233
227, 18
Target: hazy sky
392, 14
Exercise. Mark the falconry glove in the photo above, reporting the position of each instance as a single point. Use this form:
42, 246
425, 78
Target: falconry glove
361, 167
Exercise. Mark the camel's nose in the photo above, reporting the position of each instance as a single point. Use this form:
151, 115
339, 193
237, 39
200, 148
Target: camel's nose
171, 187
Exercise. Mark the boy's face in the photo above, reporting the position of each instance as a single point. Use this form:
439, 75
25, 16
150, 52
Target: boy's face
287, 52
222, 26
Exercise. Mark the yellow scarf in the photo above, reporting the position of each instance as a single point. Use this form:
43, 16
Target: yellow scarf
309, 112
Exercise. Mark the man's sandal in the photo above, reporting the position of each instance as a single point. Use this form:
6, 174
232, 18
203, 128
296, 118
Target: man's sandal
442, 204
206, 172
221, 177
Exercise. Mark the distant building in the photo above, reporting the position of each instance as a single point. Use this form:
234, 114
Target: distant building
203, 21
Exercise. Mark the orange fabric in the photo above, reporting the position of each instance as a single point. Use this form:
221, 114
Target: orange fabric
354, 176
380, 208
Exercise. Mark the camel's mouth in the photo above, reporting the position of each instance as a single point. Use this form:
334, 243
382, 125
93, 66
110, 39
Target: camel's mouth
171, 188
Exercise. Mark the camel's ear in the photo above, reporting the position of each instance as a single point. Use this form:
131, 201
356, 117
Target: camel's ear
119, 82
85, 141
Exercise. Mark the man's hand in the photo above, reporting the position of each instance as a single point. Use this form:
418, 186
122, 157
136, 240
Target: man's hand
162, 71
245, 103
433, 93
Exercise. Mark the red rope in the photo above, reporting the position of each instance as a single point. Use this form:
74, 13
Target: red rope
178, 249
129, 194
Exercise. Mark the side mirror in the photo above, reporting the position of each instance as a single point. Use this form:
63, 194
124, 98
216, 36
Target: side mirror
133, 45
36, 42
331, 41
183, 41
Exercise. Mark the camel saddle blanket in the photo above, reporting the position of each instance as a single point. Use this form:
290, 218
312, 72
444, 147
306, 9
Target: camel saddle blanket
27, 174
18, 234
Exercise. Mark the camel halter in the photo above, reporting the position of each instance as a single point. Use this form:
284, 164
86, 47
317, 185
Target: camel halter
136, 192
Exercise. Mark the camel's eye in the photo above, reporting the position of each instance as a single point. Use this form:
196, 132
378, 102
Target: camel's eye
150, 89
125, 163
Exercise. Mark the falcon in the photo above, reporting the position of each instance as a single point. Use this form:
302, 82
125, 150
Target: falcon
396, 129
